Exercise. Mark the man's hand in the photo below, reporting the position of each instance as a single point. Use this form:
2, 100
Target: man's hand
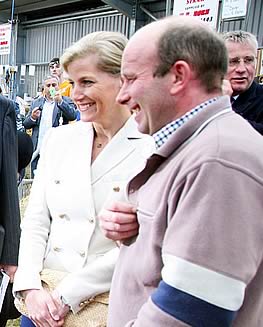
9, 270
35, 113
42, 309
118, 221
57, 97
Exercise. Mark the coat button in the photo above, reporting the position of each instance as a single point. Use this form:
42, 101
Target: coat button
91, 220
116, 189
57, 249
83, 303
57, 181
62, 215
82, 254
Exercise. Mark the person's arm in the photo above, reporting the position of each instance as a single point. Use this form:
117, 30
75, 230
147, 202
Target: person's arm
9, 213
89, 281
207, 265
68, 108
33, 115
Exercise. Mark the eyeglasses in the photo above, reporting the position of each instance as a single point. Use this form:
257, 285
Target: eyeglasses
248, 61
53, 84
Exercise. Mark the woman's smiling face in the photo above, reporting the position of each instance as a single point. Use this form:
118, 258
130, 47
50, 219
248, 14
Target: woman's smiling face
94, 91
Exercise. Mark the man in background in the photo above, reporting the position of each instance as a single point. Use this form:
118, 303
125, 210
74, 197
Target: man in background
197, 259
247, 96
45, 112
64, 85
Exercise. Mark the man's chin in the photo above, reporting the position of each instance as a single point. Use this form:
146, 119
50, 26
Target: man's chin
142, 128
237, 89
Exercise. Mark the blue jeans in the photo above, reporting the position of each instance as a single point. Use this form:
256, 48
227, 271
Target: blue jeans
26, 322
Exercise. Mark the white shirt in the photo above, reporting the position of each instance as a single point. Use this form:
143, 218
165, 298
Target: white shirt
45, 122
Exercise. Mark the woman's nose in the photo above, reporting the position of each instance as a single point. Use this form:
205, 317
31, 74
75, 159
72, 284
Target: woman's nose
76, 93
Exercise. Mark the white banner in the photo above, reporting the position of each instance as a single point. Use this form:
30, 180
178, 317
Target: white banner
31, 71
23, 70
204, 9
5, 36
234, 9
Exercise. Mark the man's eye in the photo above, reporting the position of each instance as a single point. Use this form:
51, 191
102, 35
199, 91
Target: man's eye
249, 60
234, 61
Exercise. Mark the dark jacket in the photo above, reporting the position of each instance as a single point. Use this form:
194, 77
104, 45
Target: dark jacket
9, 204
250, 106
66, 110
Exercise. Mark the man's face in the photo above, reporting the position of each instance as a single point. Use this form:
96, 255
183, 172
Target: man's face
48, 85
143, 93
242, 65
55, 69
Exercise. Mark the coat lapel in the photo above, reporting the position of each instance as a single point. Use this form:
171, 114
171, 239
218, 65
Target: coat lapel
245, 99
120, 147
55, 113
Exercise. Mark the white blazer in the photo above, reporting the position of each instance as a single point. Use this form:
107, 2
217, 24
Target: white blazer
60, 229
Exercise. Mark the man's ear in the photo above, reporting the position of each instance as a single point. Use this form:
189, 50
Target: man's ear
181, 74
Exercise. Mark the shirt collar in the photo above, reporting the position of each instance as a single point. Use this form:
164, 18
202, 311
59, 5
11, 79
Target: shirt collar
161, 136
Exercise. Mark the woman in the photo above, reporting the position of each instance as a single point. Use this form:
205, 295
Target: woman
82, 166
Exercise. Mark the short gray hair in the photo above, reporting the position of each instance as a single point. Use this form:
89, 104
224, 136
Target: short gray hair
108, 46
240, 37
50, 77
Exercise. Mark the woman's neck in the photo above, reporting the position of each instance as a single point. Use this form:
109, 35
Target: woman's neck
103, 133
109, 128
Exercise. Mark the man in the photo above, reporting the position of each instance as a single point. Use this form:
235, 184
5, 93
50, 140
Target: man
197, 259
65, 86
45, 112
9, 212
247, 94
55, 69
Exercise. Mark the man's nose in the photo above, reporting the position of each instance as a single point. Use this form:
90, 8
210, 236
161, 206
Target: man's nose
241, 66
123, 96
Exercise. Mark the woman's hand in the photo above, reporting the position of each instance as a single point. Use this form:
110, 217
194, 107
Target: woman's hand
118, 221
42, 309
63, 308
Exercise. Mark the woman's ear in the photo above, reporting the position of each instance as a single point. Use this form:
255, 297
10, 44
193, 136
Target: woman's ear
181, 74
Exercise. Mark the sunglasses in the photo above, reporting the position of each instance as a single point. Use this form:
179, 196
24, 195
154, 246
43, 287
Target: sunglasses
51, 84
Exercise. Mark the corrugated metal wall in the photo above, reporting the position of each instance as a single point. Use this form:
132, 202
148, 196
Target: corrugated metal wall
44, 41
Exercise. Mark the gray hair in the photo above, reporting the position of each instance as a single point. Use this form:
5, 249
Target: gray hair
108, 46
201, 48
50, 77
240, 37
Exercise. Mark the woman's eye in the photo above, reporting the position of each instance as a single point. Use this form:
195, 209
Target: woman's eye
87, 82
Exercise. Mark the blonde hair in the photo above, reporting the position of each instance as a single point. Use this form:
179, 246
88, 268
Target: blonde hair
108, 46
